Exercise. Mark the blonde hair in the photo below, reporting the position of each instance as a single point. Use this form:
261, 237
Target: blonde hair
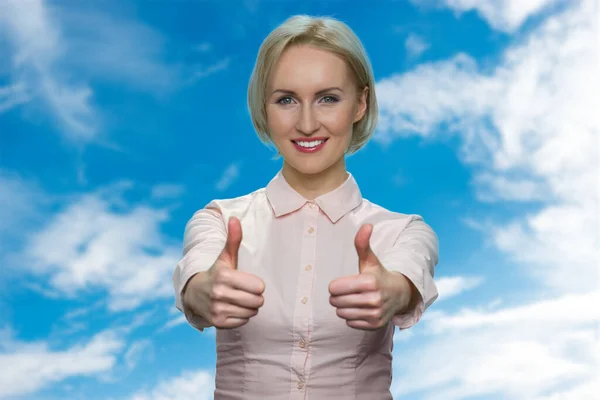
323, 33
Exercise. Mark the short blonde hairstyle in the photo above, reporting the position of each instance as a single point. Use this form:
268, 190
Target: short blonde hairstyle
323, 33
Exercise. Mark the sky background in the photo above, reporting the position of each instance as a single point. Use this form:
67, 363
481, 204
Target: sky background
118, 120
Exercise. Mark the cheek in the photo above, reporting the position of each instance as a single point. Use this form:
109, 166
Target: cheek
339, 121
278, 121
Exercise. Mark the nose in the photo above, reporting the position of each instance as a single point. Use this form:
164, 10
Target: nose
308, 122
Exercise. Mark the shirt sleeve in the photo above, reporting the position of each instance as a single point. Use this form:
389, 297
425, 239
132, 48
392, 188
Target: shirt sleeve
204, 239
415, 255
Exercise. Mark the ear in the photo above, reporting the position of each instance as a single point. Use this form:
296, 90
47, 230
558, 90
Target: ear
362, 104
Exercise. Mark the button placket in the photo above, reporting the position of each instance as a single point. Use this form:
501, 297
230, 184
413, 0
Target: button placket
303, 311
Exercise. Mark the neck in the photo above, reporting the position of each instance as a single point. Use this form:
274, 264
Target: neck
311, 186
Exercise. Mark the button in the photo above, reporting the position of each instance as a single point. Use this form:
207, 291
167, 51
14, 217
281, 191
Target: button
302, 343
304, 300
311, 205
308, 267
300, 384
311, 230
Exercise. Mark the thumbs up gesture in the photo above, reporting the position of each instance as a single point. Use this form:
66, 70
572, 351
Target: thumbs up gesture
370, 299
224, 296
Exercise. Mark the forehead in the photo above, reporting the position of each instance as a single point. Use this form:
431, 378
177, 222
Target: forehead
307, 67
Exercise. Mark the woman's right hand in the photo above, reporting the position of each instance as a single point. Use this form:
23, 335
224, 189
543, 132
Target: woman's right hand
222, 295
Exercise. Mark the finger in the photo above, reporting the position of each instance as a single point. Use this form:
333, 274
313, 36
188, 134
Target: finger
246, 282
366, 256
353, 284
226, 310
231, 323
222, 293
364, 325
234, 238
367, 314
359, 300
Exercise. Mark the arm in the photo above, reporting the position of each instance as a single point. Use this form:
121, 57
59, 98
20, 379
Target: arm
414, 254
204, 239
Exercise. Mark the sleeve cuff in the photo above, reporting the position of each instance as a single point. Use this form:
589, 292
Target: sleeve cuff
410, 267
186, 269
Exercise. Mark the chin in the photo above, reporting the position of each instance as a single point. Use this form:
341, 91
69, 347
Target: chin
311, 167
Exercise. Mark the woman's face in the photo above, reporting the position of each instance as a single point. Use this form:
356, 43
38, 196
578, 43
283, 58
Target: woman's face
312, 104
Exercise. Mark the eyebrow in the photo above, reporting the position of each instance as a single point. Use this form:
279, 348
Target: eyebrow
287, 91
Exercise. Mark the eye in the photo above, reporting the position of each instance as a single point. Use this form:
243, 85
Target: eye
285, 100
330, 99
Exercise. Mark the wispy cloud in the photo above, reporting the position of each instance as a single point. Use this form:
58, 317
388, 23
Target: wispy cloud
39, 45
100, 241
140, 350
59, 51
503, 15
28, 367
451, 286
191, 385
13, 95
229, 176
203, 71
542, 350
167, 191
529, 126
415, 45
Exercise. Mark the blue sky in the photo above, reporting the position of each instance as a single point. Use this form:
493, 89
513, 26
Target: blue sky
118, 120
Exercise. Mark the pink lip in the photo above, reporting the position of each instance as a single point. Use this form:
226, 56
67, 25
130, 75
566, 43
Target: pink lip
311, 150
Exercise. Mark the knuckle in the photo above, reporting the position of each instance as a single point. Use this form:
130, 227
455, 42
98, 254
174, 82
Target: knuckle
376, 300
222, 274
219, 322
376, 315
216, 309
217, 293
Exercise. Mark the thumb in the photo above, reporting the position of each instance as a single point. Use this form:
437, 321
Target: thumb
366, 257
234, 238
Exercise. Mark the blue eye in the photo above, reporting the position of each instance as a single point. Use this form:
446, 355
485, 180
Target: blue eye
330, 99
285, 100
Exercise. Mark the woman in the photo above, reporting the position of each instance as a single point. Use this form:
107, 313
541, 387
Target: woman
304, 278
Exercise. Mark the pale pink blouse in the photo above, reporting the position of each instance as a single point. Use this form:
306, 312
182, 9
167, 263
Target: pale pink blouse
296, 347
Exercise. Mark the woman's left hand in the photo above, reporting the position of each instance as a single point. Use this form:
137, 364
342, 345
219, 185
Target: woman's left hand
370, 299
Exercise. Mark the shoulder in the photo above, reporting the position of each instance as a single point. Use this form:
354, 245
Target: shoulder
232, 207
381, 217
236, 203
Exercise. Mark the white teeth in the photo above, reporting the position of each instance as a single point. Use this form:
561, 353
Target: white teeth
314, 143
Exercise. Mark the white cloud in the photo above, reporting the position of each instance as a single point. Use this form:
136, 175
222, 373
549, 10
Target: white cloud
167, 191
415, 45
106, 46
30, 367
140, 350
98, 241
191, 385
39, 45
530, 126
57, 51
205, 71
503, 15
525, 352
12, 96
451, 286
495, 188
229, 176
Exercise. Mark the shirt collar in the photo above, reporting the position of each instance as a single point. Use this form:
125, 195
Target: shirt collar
335, 204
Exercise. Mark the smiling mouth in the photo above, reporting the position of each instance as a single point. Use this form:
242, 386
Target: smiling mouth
311, 146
